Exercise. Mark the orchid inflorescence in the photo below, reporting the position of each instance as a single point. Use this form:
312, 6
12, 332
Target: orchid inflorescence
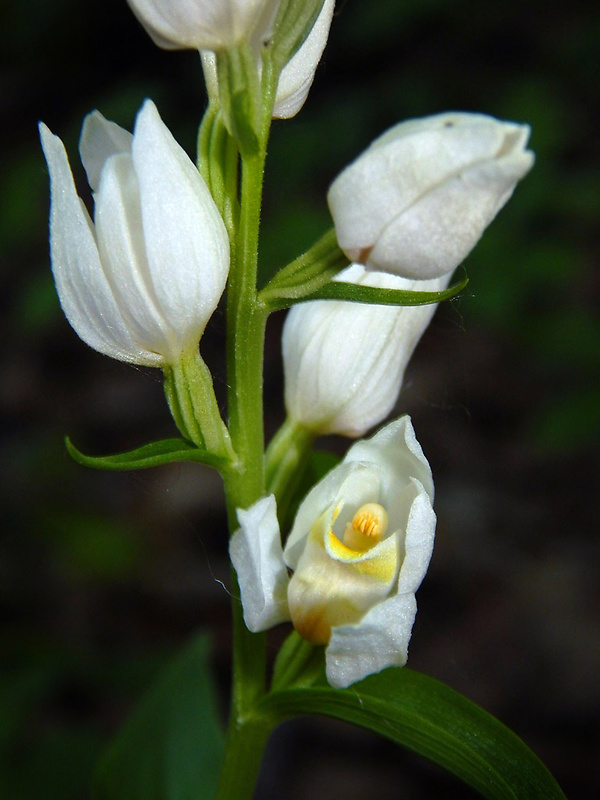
140, 281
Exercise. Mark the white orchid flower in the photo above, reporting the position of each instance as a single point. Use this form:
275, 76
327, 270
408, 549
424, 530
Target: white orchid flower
139, 283
416, 202
344, 362
297, 76
204, 24
359, 549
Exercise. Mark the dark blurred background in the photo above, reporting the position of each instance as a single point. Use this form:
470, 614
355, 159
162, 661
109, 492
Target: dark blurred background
103, 575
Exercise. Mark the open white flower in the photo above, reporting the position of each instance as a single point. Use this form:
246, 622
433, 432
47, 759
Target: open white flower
416, 202
344, 362
359, 549
204, 24
140, 282
297, 76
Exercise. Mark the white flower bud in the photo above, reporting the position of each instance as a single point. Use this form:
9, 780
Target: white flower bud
139, 283
298, 74
344, 362
359, 549
416, 202
204, 24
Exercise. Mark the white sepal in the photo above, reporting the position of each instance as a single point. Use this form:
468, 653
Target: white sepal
85, 293
298, 74
100, 139
344, 362
204, 24
416, 202
255, 550
141, 283
186, 240
378, 641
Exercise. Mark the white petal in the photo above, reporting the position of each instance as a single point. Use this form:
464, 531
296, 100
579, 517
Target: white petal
84, 292
373, 470
199, 24
378, 641
408, 161
344, 362
122, 250
326, 591
418, 542
320, 498
255, 551
435, 234
298, 74
396, 452
187, 246
99, 140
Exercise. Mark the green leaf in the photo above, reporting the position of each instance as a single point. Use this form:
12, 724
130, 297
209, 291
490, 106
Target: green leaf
338, 290
306, 274
154, 454
218, 164
172, 746
239, 94
431, 719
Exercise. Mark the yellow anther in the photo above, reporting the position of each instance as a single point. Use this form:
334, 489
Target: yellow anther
367, 528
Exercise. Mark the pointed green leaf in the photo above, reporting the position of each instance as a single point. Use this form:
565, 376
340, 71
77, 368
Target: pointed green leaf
431, 719
338, 290
218, 164
172, 746
306, 274
154, 454
239, 94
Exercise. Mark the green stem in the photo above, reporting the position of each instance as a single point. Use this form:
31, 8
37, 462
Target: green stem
244, 748
246, 321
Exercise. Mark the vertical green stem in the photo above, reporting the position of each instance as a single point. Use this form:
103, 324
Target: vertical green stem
246, 320
243, 753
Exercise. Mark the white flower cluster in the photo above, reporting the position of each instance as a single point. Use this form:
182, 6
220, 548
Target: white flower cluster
407, 212
140, 282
